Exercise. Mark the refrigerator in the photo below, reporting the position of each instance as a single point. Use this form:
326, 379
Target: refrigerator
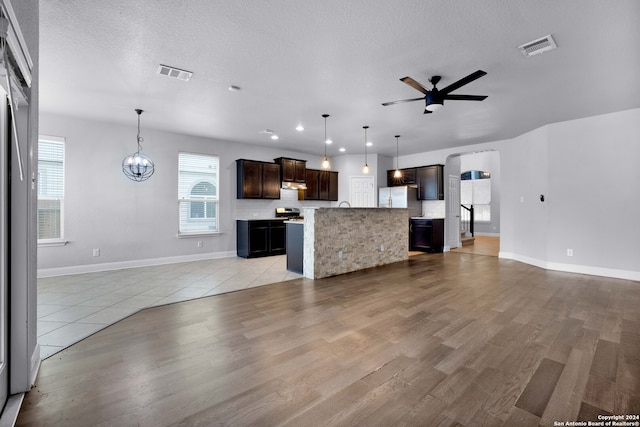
400, 197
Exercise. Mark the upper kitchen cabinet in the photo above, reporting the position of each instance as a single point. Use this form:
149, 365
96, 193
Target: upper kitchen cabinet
313, 185
257, 180
321, 185
408, 177
430, 182
333, 186
292, 170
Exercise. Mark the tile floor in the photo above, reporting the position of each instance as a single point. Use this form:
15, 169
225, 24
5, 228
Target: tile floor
73, 307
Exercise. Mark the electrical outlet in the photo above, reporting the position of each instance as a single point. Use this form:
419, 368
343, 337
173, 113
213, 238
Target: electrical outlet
381, 248
96, 252
339, 254
199, 243
569, 252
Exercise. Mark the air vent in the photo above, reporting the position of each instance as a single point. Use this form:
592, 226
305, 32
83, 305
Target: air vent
174, 72
538, 46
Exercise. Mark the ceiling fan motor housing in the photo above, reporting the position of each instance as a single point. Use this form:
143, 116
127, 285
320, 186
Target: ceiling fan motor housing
434, 97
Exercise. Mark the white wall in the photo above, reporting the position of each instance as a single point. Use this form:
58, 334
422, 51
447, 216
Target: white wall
586, 170
594, 191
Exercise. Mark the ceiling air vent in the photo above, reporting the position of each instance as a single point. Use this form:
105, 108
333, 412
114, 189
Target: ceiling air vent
540, 45
175, 73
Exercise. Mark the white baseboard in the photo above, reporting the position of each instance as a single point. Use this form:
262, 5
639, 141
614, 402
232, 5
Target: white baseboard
479, 233
574, 268
108, 266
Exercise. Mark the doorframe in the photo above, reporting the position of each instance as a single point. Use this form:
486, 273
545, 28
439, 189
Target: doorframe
5, 198
452, 224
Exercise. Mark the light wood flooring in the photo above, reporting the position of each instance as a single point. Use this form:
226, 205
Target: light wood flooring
448, 339
483, 245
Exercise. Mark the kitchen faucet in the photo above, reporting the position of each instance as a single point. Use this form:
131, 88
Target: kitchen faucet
344, 201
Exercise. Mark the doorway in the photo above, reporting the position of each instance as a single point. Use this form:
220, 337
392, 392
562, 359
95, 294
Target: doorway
489, 223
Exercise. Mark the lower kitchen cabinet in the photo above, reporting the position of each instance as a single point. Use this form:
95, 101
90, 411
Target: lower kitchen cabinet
426, 235
257, 238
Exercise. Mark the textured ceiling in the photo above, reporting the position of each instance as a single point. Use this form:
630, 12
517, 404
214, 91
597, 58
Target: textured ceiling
295, 60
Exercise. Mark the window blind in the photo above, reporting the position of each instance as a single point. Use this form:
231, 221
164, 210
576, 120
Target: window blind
50, 189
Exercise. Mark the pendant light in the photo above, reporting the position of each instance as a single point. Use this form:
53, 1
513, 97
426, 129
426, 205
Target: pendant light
325, 160
397, 174
137, 166
365, 168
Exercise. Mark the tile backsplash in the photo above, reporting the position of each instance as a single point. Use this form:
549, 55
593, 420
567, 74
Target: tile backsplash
265, 208
434, 209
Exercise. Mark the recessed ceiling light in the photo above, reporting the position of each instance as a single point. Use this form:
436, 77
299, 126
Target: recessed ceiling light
328, 141
234, 88
369, 144
274, 136
342, 149
299, 128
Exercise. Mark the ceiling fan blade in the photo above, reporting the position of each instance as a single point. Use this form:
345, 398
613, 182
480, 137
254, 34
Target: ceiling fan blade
414, 84
403, 100
463, 81
466, 97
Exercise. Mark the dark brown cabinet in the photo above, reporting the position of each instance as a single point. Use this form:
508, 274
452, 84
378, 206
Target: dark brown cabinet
257, 238
292, 170
321, 185
426, 235
333, 186
408, 177
257, 180
430, 182
313, 185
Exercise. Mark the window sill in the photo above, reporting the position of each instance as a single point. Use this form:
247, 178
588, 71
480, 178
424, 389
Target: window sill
51, 243
198, 234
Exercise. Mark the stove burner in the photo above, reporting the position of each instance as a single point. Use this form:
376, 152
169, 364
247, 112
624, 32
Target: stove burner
288, 213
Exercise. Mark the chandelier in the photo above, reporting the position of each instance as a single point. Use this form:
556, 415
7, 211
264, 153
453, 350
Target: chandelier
138, 167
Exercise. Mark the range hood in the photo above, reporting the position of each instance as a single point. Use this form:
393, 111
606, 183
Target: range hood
293, 185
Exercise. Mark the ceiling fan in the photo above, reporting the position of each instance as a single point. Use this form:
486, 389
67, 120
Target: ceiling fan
435, 97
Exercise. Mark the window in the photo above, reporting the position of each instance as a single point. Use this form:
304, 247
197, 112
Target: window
475, 189
50, 188
198, 193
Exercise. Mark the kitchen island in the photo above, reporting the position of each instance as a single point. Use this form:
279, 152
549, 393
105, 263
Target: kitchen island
342, 240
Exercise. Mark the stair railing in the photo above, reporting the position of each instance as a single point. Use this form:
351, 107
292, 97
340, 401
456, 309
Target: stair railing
467, 219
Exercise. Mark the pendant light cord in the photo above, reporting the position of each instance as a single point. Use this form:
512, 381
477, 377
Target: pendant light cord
139, 138
365, 144
325, 134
